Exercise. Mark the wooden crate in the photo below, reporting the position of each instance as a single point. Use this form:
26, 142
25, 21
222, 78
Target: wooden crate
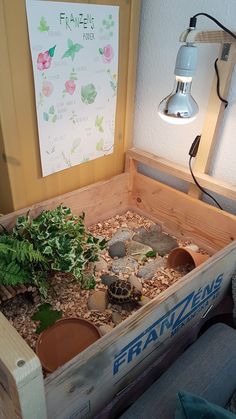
83, 386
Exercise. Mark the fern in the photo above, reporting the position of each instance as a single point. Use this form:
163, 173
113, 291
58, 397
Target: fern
21, 251
13, 274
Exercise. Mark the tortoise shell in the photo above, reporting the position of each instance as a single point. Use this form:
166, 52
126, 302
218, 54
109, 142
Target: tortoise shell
120, 292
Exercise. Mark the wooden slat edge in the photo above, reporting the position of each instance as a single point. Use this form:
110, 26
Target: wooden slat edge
174, 169
21, 378
131, 78
99, 201
183, 216
213, 37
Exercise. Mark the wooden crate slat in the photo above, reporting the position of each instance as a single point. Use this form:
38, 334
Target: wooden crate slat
182, 215
21, 379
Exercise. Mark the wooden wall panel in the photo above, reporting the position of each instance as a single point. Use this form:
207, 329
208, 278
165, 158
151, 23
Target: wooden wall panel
20, 159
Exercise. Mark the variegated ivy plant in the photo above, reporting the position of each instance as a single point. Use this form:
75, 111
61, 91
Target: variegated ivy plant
55, 240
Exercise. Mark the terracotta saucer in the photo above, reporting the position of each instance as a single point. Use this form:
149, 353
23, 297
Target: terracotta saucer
65, 339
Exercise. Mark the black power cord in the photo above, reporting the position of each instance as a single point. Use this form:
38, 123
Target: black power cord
192, 153
218, 85
192, 25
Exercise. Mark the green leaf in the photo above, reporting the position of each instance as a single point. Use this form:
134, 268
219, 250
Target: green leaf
78, 47
51, 110
67, 54
46, 316
45, 116
101, 51
43, 26
54, 118
51, 51
72, 49
69, 43
151, 254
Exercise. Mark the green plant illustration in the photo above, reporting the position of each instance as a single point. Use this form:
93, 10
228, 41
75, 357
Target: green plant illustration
99, 122
108, 25
46, 316
66, 159
100, 145
73, 118
75, 145
88, 93
72, 49
113, 81
50, 115
43, 26
56, 240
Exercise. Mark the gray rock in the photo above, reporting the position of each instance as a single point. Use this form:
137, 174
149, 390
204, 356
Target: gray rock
123, 234
117, 249
124, 265
98, 301
156, 228
135, 248
116, 317
135, 282
160, 242
105, 328
149, 269
108, 279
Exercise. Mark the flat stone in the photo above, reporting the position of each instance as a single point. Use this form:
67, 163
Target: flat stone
144, 300
105, 328
149, 269
124, 265
160, 242
101, 265
123, 234
135, 248
108, 279
98, 301
116, 317
117, 249
156, 228
135, 282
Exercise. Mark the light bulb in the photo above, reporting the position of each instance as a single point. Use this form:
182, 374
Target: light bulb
179, 107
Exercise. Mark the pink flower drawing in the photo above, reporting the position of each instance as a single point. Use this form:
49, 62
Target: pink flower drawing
108, 54
47, 88
44, 60
70, 86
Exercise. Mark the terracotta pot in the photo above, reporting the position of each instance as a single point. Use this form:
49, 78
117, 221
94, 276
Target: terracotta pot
64, 340
181, 257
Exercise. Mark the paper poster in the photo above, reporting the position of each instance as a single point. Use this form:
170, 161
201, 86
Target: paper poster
74, 50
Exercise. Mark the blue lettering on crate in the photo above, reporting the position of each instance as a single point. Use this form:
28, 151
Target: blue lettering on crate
171, 322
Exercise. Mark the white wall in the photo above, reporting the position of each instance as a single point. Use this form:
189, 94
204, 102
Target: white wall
162, 22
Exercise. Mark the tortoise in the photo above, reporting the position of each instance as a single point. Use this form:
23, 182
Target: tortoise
121, 292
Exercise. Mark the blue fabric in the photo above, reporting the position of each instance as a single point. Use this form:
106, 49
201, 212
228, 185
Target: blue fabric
207, 368
190, 406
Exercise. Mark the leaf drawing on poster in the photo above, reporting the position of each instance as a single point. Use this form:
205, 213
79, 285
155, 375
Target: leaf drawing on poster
88, 93
72, 49
108, 25
43, 26
99, 122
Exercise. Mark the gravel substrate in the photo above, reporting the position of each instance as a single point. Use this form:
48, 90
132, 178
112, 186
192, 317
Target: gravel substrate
66, 295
